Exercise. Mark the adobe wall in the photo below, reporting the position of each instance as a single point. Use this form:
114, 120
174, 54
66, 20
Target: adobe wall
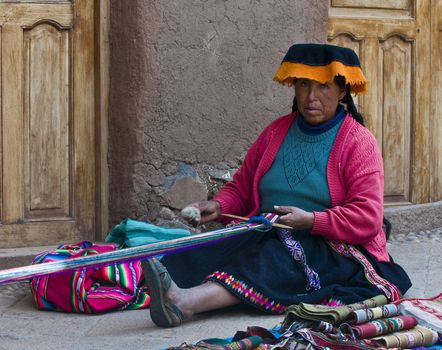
190, 89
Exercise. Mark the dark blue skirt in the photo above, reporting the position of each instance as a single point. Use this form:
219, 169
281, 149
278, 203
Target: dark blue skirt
258, 268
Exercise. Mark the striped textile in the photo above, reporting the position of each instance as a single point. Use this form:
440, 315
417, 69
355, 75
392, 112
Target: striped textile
387, 288
418, 336
428, 311
333, 315
89, 290
370, 314
379, 327
250, 343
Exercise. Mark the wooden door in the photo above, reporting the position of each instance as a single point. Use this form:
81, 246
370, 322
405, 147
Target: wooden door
49, 131
394, 41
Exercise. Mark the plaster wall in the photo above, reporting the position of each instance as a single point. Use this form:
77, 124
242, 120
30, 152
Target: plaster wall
191, 85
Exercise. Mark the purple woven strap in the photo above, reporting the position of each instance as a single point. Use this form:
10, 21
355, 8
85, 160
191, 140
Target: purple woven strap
295, 249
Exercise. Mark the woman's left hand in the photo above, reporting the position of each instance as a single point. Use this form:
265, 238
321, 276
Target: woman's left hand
294, 217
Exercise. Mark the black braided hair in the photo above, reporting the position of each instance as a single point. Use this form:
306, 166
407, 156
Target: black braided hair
351, 108
295, 105
347, 100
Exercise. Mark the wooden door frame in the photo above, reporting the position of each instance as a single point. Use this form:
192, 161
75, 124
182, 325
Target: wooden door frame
421, 126
426, 152
435, 108
101, 30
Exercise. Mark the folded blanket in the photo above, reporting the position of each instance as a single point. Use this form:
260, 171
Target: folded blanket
133, 233
370, 314
428, 312
371, 324
379, 327
418, 336
329, 314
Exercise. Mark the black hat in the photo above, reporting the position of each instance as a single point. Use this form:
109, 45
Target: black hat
322, 62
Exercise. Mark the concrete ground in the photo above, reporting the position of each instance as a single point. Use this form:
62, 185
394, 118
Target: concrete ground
22, 326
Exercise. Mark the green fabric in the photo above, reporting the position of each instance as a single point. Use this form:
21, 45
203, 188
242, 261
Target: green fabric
248, 343
413, 338
133, 233
298, 175
329, 314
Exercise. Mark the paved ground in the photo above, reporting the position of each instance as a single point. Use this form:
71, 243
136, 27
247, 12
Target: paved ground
24, 327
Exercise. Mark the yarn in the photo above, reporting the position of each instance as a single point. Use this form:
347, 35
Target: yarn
261, 220
192, 215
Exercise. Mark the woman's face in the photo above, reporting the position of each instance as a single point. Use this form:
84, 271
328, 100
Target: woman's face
317, 102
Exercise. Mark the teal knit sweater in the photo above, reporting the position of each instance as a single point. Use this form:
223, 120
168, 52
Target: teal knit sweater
298, 175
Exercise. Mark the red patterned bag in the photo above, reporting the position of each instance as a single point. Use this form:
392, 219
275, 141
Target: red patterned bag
89, 290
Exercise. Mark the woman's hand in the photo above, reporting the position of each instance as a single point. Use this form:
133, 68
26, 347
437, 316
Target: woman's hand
294, 217
210, 210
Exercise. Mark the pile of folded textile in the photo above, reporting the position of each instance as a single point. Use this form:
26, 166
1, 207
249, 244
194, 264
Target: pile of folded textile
407, 323
371, 324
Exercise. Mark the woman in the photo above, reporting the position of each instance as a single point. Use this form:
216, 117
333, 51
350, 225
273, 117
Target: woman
320, 169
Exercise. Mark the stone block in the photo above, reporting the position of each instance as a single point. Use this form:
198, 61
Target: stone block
185, 191
414, 218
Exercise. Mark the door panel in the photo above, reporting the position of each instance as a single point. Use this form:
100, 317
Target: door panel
47, 131
392, 39
396, 55
372, 4
48, 127
436, 98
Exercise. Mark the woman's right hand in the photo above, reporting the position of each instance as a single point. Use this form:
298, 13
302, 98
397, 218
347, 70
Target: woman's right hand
210, 210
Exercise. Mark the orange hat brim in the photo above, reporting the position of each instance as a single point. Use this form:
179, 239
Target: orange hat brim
288, 71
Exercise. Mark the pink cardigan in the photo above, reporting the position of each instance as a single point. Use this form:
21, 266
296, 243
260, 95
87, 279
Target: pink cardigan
356, 182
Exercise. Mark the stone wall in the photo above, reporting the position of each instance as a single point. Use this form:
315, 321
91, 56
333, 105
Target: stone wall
191, 88
414, 218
